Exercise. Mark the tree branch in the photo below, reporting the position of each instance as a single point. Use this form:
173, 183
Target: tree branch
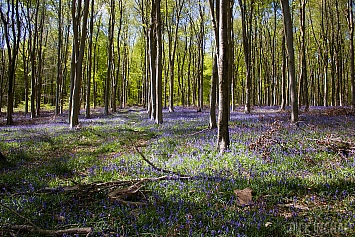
158, 168
35, 229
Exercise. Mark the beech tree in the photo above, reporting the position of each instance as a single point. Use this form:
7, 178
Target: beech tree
111, 30
128, 54
291, 58
156, 56
350, 20
223, 73
214, 7
172, 30
11, 23
246, 15
89, 70
77, 57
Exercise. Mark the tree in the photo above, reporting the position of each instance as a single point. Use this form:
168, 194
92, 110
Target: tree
214, 7
172, 30
201, 50
303, 88
246, 29
77, 57
156, 56
59, 58
110, 55
159, 78
12, 32
223, 72
89, 70
350, 19
291, 58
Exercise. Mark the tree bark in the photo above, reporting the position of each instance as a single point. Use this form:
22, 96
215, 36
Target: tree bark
223, 71
304, 75
291, 58
89, 70
159, 76
109, 59
153, 58
246, 33
59, 59
14, 28
79, 48
350, 18
214, 6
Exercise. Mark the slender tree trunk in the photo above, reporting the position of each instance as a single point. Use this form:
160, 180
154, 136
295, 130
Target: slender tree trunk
152, 56
79, 47
350, 18
88, 83
246, 32
13, 28
25, 75
40, 55
284, 75
110, 53
214, 6
291, 58
201, 57
59, 58
223, 71
214, 78
159, 78
303, 88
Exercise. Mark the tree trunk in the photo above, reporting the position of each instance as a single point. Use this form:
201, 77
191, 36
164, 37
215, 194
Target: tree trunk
223, 71
214, 78
159, 78
304, 78
214, 6
88, 83
284, 75
246, 28
350, 19
79, 48
13, 28
291, 58
59, 59
152, 56
109, 59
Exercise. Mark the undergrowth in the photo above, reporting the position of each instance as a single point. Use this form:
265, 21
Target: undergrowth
302, 175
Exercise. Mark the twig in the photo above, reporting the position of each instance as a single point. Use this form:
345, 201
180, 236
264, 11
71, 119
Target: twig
22, 217
195, 133
158, 168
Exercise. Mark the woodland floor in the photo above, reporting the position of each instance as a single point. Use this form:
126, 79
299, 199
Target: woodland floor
122, 175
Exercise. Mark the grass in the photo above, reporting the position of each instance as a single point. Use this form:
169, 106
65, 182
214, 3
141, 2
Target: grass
301, 184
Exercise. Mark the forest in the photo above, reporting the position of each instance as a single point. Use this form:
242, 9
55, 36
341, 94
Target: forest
177, 118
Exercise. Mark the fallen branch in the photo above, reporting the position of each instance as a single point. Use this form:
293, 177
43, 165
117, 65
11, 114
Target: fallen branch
195, 133
36, 230
158, 168
31, 227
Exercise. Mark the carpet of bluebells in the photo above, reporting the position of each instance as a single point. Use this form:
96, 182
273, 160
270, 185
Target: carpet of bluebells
302, 175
